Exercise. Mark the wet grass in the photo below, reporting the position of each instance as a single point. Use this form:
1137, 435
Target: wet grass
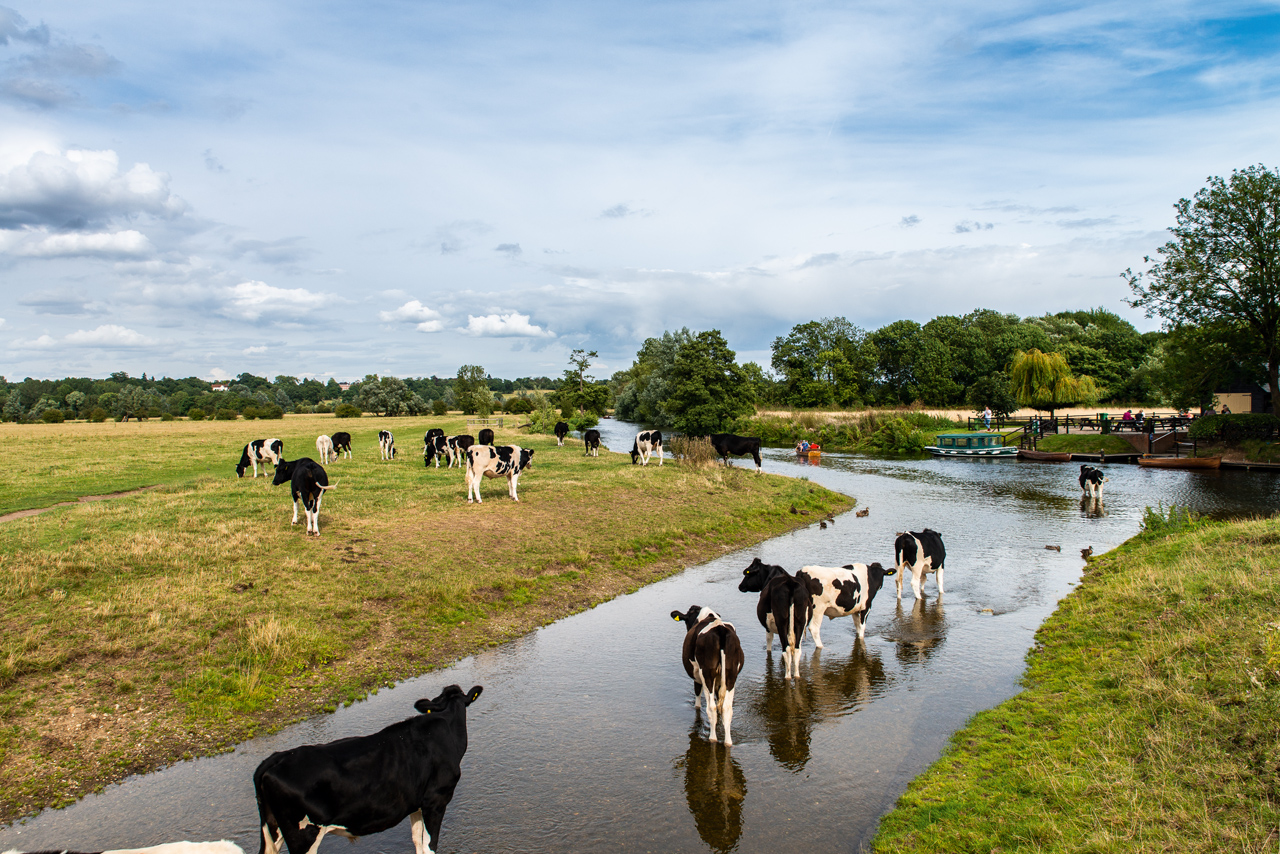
179, 621
1148, 719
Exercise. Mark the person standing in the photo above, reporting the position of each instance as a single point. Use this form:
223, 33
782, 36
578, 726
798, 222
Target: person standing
986, 417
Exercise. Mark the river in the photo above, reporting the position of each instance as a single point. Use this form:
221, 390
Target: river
586, 739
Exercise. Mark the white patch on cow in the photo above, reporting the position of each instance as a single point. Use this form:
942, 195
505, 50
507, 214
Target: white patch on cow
272, 846
221, 847
335, 829
421, 836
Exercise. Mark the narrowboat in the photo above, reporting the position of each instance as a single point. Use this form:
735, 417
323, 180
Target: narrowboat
972, 445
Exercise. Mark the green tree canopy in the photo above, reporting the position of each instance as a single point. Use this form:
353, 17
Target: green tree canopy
644, 386
707, 389
1221, 271
824, 362
1044, 381
471, 391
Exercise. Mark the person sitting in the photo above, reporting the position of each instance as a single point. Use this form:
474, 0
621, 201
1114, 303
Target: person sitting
1128, 415
1226, 410
804, 444
1139, 418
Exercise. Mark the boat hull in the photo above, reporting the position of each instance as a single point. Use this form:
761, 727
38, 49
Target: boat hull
984, 453
1181, 462
1044, 456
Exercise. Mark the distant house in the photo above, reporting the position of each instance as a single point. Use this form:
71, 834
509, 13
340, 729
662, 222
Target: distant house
1243, 397
220, 387
344, 386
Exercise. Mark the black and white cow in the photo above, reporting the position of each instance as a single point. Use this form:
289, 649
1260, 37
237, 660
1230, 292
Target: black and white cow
485, 436
780, 606
727, 443
713, 658
920, 553
647, 442
353, 787
341, 443
487, 461
324, 447
432, 446
387, 444
1091, 480
456, 448
846, 591
562, 430
307, 482
260, 451
591, 439
223, 847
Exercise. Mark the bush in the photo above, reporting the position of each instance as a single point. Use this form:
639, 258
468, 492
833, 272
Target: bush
322, 408
168, 416
1160, 522
898, 435
270, 412
516, 406
98, 415
227, 415
52, 416
695, 452
347, 410
249, 413
301, 409
195, 413
439, 408
1234, 428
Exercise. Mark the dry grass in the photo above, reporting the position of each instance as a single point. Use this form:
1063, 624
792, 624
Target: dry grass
179, 621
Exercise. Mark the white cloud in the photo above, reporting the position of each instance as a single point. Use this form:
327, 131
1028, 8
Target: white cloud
253, 300
41, 243
44, 342
249, 351
109, 335
511, 325
427, 319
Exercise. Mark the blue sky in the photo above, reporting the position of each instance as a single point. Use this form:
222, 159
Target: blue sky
333, 189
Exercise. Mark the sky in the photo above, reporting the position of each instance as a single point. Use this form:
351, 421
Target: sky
332, 189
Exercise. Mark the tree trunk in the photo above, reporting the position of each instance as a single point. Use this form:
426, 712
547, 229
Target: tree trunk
1273, 374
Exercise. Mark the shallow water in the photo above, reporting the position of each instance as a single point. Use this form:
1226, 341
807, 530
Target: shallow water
586, 738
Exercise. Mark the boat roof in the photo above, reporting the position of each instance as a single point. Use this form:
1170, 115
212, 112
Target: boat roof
967, 435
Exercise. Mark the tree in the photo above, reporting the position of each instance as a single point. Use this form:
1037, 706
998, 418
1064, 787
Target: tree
130, 402
471, 391
640, 398
386, 396
707, 387
75, 400
1044, 381
1223, 266
824, 362
578, 392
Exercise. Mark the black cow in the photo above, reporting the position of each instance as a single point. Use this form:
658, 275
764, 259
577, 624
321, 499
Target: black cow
713, 658
432, 446
341, 443
485, 437
387, 444
780, 606
1091, 480
922, 553
308, 482
591, 439
353, 787
456, 447
727, 443
487, 461
562, 430
260, 451
647, 442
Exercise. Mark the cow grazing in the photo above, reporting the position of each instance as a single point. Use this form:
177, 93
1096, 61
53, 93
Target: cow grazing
433, 446
591, 439
1091, 480
260, 451
324, 447
647, 442
308, 483
485, 436
713, 658
921, 553
387, 444
562, 430
341, 443
846, 591
727, 443
353, 787
223, 847
487, 461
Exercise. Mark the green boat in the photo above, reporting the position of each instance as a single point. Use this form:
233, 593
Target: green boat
972, 445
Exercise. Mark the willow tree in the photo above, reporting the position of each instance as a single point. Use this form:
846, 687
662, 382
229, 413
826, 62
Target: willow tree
1044, 381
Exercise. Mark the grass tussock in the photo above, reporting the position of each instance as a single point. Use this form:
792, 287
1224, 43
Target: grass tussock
178, 621
694, 452
1148, 719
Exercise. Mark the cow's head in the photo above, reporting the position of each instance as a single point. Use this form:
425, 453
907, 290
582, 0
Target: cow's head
692, 616
526, 458
755, 576
284, 473
447, 697
635, 453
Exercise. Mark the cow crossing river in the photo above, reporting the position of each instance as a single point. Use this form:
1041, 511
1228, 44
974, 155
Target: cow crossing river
587, 739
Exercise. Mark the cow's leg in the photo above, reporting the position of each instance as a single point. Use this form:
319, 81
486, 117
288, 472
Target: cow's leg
814, 625
418, 830
661, 456
295, 511
897, 579
917, 578
860, 618
511, 485
939, 573
712, 716
727, 710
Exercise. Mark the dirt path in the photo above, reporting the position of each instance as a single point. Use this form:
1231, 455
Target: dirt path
22, 514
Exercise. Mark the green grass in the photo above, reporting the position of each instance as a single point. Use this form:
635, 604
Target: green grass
182, 620
1148, 722
1084, 443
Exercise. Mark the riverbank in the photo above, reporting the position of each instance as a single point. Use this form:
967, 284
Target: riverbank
182, 620
1148, 719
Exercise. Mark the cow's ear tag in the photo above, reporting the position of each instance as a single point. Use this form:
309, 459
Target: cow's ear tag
428, 711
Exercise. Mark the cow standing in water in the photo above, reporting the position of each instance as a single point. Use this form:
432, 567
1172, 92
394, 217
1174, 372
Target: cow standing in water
713, 658
921, 553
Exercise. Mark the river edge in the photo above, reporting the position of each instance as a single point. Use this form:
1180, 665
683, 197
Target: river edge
1147, 719
57, 744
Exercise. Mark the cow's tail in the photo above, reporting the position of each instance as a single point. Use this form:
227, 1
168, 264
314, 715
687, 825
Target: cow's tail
333, 485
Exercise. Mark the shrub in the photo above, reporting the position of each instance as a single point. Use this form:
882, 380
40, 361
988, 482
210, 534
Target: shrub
1176, 519
516, 406
322, 408
898, 435
696, 452
347, 410
227, 415
98, 415
301, 409
195, 413
1235, 427
249, 413
52, 416
270, 412
168, 416
439, 408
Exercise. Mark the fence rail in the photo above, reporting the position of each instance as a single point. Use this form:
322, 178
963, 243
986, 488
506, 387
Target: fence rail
484, 422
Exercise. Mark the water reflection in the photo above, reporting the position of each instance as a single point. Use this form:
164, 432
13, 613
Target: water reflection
919, 630
1091, 507
716, 789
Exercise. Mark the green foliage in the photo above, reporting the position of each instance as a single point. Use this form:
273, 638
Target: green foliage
271, 412
1234, 428
1221, 271
227, 415
824, 363
1044, 381
898, 436
644, 386
512, 406
471, 391
995, 391
347, 410
1176, 520
707, 390
52, 416
543, 416
439, 408
388, 396
98, 415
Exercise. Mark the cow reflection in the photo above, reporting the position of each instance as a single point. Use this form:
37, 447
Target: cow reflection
1092, 507
716, 789
918, 631
832, 685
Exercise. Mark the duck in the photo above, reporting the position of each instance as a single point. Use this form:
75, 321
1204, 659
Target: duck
1053, 548
1084, 553
823, 524
863, 513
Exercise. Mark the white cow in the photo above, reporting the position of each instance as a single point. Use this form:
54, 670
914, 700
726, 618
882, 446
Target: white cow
324, 447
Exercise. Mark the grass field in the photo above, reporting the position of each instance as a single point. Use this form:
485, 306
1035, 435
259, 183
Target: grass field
1084, 443
179, 621
1148, 722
